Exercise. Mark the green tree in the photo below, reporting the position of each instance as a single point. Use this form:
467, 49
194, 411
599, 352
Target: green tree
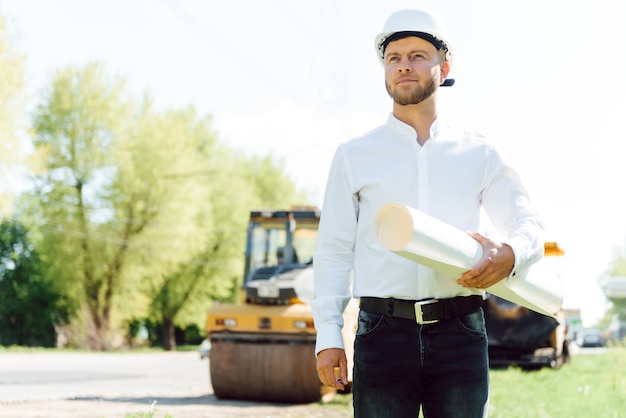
30, 305
215, 272
142, 213
617, 268
118, 199
273, 186
182, 145
12, 111
75, 125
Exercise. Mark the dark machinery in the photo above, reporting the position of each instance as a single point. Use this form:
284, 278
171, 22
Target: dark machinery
521, 337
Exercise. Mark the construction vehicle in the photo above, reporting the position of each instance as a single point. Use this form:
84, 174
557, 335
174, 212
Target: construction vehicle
263, 348
521, 337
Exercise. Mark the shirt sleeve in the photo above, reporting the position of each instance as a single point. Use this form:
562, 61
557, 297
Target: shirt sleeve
508, 206
333, 260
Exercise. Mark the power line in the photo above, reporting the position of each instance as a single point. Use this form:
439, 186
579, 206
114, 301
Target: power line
194, 24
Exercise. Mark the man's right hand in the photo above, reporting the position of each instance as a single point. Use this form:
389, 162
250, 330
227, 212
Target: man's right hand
330, 360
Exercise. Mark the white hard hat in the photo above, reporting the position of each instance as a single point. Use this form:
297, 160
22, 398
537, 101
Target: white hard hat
413, 22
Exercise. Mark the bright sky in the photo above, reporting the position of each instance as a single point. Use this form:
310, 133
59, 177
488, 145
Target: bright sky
542, 79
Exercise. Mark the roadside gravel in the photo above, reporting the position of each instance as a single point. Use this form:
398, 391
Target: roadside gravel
180, 406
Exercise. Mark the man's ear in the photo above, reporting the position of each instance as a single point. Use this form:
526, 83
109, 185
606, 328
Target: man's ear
445, 70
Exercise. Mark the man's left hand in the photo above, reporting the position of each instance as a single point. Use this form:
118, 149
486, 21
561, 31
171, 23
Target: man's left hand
496, 264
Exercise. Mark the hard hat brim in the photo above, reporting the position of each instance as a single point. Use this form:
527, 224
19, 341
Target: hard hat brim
382, 40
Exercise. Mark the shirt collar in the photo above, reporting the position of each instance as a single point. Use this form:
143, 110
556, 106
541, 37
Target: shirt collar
407, 131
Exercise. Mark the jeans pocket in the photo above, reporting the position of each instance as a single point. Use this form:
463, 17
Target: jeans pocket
472, 323
368, 323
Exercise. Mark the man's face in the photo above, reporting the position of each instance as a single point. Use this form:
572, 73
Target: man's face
413, 70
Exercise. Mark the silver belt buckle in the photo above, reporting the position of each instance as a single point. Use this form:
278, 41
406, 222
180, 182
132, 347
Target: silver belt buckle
419, 315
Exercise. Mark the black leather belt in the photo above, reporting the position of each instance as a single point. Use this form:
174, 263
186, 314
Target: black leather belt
424, 311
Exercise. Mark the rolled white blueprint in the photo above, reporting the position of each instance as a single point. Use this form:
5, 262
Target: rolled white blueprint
450, 251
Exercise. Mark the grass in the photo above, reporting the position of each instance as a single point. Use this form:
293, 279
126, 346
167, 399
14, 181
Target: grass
592, 385
151, 413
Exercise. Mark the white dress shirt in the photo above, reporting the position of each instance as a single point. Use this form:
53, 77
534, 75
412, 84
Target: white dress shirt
450, 177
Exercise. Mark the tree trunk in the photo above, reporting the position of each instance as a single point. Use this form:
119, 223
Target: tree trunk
169, 340
98, 330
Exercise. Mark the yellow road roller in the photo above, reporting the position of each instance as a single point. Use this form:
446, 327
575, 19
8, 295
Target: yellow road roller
263, 349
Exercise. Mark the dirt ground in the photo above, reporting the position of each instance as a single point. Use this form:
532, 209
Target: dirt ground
178, 406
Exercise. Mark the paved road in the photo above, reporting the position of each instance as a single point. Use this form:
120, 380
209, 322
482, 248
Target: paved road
71, 385
31, 376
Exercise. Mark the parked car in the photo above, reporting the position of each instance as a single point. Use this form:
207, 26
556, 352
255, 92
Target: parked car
590, 338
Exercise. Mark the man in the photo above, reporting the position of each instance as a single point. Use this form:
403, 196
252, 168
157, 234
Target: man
437, 361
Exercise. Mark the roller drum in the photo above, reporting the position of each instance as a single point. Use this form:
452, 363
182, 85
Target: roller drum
262, 367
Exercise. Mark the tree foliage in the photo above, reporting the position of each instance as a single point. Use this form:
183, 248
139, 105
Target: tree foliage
616, 269
140, 213
215, 273
76, 125
117, 197
12, 109
30, 305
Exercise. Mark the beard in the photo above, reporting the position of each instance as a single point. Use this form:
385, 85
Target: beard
415, 96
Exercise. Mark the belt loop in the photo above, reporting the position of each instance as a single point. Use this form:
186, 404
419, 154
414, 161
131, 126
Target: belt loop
390, 308
450, 309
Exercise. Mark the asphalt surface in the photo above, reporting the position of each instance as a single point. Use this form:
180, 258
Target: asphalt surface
136, 385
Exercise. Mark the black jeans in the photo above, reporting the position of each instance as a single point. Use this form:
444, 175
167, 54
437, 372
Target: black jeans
401, 366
